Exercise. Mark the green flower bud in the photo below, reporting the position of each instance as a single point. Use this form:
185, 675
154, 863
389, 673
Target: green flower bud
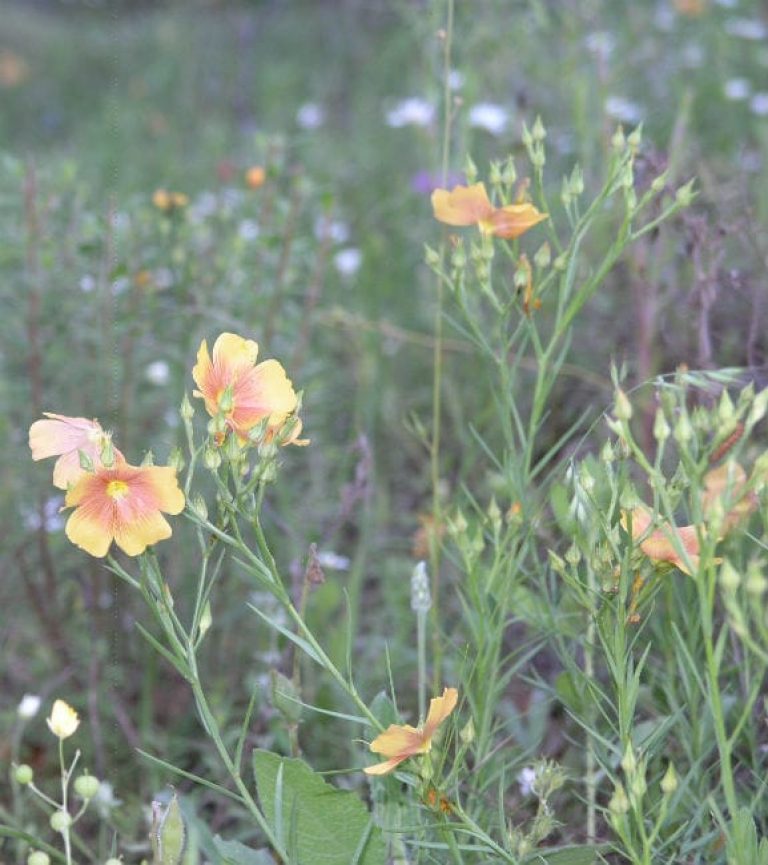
634, 138
227, 400
659, 183
622, 407
538, 133
113, 861
755, 583
470, 170
628, 761
211, 458
573, 555
509, 172
758, 408
729, 577
206, 619
176, 460
543, 256
167, 833
431, 257
467, 732
661, 428
60, 821
494, 174
538, 158
618, 141
619, 803
683, 431
669, 781
725, 409
685, 195
285, 697
86, 786
38, 857
186, 409
24, 774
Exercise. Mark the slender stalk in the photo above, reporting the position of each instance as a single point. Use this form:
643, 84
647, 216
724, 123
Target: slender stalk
64, 789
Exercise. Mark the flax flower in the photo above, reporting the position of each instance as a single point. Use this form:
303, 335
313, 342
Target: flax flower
233, 384
122, 504
399, 742
64, 437
63, 721
662, 544
470, 205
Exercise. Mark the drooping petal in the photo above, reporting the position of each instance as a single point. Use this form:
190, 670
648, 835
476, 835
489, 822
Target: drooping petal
512, 220
463, 205
439, 709
660, 544
727, 483
398, 740
386, 767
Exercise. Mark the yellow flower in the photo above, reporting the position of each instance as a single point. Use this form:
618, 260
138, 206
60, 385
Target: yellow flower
399, 742
64, 720
168, 201
470, 205
659, 545
246, 393
124, 504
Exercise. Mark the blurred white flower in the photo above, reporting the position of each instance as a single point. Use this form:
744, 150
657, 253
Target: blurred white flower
455, 79
601, 43
526, 778
737, 89
746, 28
87, 283
29, 706
157, 372
348, 261
333, 561
490, 116
248, 230
623, 110
310, 116
759, 104
53, 519
334, 230
413, 111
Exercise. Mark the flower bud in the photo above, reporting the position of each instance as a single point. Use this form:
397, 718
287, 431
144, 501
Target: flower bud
63, 720
206, 619
685, 194
538, 133
113, 861
211, 458
284, 696
227, 400
176, 459
538, 158
622, 407
573, 555
186, 409
628, 761
729, 577
634, 138
669, 781
577, 181
725, 409
494, 174
431, 257
661, 428
509, 172
755, 583
86, 786
198, 506
60, 821
618, 141
543, 256
659, 183
167, 833
38, 857
683, 431
24, 774
758, 408
470, 170
619, 803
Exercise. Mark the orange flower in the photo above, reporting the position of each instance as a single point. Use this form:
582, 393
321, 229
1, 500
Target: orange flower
728, 482
65, 437
122, 504
244, 391
659, 545
255, 177
399, 742
168, 201
470, 205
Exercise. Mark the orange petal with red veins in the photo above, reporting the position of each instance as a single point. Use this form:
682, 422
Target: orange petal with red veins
463, 205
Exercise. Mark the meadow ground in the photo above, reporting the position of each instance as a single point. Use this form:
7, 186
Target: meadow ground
559, 416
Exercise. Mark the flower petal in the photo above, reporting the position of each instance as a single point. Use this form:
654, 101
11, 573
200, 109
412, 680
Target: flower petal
90, 528
513, 220
134, 536
463, 205
386, 767
399, 740
439, 709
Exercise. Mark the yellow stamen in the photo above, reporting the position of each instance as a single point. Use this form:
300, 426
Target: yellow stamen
117, 489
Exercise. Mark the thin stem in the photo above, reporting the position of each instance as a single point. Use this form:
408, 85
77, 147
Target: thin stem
64, 787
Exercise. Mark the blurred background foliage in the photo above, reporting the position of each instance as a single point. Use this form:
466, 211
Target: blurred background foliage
104, 298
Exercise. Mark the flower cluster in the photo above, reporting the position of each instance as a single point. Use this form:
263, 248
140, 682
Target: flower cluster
115, 501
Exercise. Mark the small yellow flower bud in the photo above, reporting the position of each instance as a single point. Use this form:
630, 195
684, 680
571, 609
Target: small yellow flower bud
619, 803
63, 720
622, 407
38, 857
669, 781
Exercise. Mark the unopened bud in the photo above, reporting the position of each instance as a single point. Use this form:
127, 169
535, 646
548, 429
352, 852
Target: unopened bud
24, 774
634, 138
211, 458
167, 833
683, 431
186, 409
685, 194
543, 256
618, 141
60, 821
628, 761
755, 583
619, 803
509, 172
431, 257
176, 459
206, 619
539, 133
669, 782
658, 183
661, 428
227, 400
758, 408
467, 732
729, 577
198, 506
622, 407
494, 174
725, 409
38, 857
470, 170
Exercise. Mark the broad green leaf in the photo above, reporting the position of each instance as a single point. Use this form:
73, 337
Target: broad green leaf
320, 824
235, 853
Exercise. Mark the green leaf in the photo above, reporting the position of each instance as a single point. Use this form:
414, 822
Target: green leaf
577, 855
325, 826
235, 853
